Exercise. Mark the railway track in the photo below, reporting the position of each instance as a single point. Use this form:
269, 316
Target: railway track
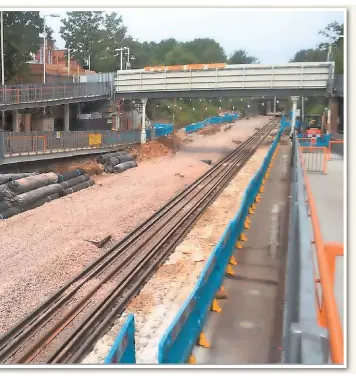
66, 326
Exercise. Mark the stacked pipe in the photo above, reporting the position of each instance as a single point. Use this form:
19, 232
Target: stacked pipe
117, 162
22, 193
74, 181
7, 195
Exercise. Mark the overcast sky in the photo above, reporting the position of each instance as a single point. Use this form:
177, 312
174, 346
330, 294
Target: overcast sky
273, 36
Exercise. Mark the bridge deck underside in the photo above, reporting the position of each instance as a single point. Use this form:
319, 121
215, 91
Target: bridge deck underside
279, 93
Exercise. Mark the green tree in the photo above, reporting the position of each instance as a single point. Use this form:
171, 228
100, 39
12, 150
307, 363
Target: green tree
310, 55
334, 36
178, 55
334, 32
206, 50
21, 39
242, 57
94, 34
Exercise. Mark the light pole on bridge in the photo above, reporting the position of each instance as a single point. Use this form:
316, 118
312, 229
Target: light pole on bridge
44, 43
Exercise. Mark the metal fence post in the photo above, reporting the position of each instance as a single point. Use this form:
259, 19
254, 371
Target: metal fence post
2, 146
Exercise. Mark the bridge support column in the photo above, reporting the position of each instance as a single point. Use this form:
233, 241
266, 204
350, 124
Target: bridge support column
66, 117
333, 115
143, 128
27, 122
3, 120
269, 107
294, 113
15, 121
275, 105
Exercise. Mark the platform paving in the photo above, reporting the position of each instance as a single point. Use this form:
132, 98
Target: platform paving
328, 192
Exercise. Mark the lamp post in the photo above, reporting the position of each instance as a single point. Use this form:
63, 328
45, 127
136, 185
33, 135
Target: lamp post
44, 43
68, 55
128, 64
2, 50
121, 56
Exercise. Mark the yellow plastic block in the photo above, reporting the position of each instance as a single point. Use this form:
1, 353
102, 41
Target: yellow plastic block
250, 211
202, 341
262, 189
221, 293
246, 225
215, 306
238, 245
229, 270
248, 220
258, 198
233, 260
192, 360
243, 237
253, 208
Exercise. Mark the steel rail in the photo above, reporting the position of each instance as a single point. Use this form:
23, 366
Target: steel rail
19, 333
33, 321
79, 344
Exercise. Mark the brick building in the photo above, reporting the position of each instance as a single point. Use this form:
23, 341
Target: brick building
56, 66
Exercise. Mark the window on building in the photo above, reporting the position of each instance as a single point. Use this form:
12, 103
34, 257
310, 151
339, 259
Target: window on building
50, 56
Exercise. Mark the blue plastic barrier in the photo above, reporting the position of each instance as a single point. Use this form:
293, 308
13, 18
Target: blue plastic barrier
211, 120
123, 349
286, 123
176, 345
319, 140
195, 126
167, 129
162, 129
148, 134
178, 341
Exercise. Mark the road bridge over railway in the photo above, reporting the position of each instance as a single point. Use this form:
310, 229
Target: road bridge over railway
313, 79
248, 80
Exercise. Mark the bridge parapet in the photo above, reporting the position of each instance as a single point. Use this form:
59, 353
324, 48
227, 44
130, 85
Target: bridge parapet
306, 76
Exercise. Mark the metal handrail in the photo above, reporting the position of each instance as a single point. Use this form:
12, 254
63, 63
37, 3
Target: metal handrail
17, 94
326, 281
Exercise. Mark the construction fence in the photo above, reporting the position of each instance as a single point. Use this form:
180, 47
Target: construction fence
30, 143
312, 333
228, 118
167, 129
315, 158
177, 342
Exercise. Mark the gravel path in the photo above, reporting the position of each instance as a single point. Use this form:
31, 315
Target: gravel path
43, 248
162, 297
